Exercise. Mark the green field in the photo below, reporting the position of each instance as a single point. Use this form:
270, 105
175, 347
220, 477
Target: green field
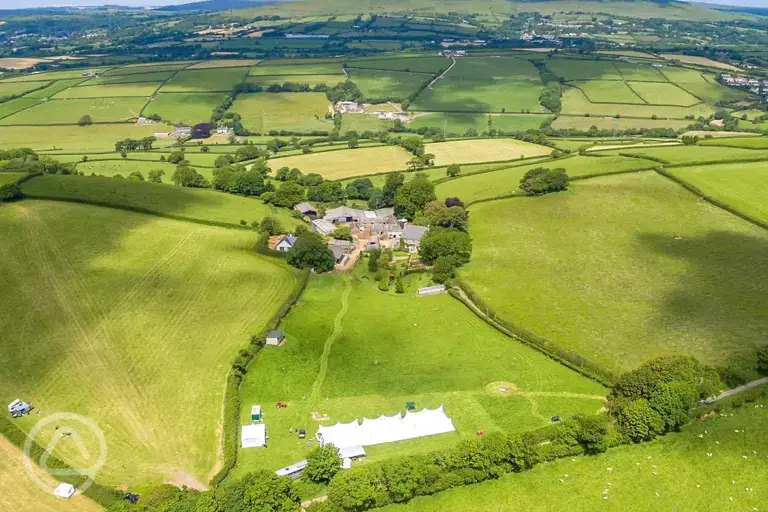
188, 109
67, 138
205, 80
671, 474
18, 88
694, 154
741, 186
353, 351
598, 269
195, 204
578, 69
311, 80
110, 91
387, 85
156, 76
137, 332
483, 150
574, 102
507, 181
123, 168
135, 69
293, 111
52, 75
497, 67
362, 122
9, 177
9, 107
608, 91
460, 123
663, 94
613, 123
335, 165
738, 142
467, 95
702, 85
224, 63
55, 87
297, 68
101, 110
639, 73
408, 64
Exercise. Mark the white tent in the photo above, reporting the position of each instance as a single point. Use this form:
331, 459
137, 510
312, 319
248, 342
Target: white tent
387, 429
65, 491
254, 436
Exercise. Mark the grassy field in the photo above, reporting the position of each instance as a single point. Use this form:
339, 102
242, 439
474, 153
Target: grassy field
612, 123
18, 88
699, 61
311, 80
156, 76
460, 123
137, 333
639, 73
354, 351
694, 154
335, 165
466, 95
742, 186
113, 167
746, 142
10, 177
608, 91
224, 63
507, 181
18, 492
702, 85
143, 89
55, 87
205, 80
136, 69
53, 75
599, 270
663, 94
577, 69
101, 110
296, 68
421, 64
293, 111
196, 204
68, 138
387, 85
667, 475
497, 67
484, 150
574, 102
188, 109
9, 107
363, 122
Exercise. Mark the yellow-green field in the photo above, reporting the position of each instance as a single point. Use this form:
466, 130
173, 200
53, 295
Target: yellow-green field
292, 111
335, 165
75, 138
574, 102
101, 110
484, 150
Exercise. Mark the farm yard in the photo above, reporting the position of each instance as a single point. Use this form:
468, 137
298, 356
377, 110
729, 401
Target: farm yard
131, 328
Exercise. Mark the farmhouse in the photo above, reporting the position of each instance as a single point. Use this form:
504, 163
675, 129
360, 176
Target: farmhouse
394, 116
275, 337
224, 130
253, 436
307, 210
322, 227
412, 236
182, 131
348, 107
144, 121
285, 243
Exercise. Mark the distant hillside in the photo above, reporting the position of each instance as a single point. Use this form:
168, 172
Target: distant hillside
219, 5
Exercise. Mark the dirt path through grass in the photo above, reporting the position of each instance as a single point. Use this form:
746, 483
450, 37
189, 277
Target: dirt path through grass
337, 329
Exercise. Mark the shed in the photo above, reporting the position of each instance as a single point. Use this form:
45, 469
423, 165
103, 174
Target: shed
294, 470
253, 436
323, 227
275, 337
306, 209
256, 415
64, 490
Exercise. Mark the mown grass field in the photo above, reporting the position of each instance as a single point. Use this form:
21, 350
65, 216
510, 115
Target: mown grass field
20, 493
702, 85
75, 138
663, 94
574, 102
196, 204
189, 109
101, 110
608, 91
742, 186
496, 67
613, 123
599, 270
136, 69
335, 165
431, 350
137, 332
293, 111
387, 85
639, 73
734, 142
9, 107
9, 177
53, 75
205, 80
671, 474
699, 61
225, 63
18, 88
694, 154
143, 89
507, 181
113, 167
483, 150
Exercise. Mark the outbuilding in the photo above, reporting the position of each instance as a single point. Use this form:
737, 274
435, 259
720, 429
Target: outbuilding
285, 243
275, 337
64, 491
253, 436
256, 414
323, 227
307, 210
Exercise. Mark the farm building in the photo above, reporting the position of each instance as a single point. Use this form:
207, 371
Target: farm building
412, 236
285, 243
224, 130
322, 227
340, 249
182, 131
294, 470
345, 107
253, 436
307, 210
275, 337
144, 120
256, 414
64, 491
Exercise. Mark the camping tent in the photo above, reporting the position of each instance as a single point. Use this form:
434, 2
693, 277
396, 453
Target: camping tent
387, 429
254, 436
65, 491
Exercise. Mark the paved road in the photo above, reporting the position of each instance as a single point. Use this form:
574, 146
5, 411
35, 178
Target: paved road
734, 391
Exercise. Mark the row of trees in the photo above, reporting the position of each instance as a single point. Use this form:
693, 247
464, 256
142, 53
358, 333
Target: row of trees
144, 144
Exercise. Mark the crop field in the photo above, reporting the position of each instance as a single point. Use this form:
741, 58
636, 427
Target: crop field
577, 69
694, 154
424, 64
460, 95
648, 279
484, 150
205, 80
334, 363
189, 109
638, 73
742, 186
67, 138
294, 111
148, 312
663, 94
335, 165
157, 76
9, 107
387, 85
668, 475
574, 102
19, 492
699, 61
612, 123
110, 91
608, 91
507, 181
101, 110
297, 68
311, 80
734, 142
196, 204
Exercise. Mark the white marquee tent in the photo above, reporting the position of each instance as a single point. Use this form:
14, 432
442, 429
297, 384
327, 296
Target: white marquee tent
387, 429
254, 436
64, 490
